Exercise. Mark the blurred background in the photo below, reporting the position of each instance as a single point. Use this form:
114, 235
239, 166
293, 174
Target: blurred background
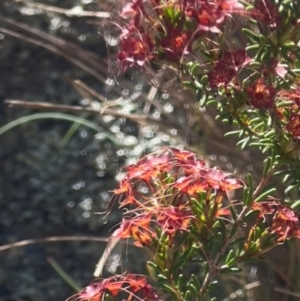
59, 164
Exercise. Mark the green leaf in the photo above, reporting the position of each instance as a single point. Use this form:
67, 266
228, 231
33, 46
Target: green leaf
248, 191
257, 233
179, 282
229, 270
54, 115
237, 245
251, 35
189, 85
230, 258
193, 289
265, 194
169, 288
162, 277
64, 275
187, 295
195, 70
204, 80
244, 142
216, 243
232, 133
290, 188
296, 205
196, 282
267, 165
252, 47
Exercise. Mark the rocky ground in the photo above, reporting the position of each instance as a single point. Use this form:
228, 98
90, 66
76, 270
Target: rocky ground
49, 185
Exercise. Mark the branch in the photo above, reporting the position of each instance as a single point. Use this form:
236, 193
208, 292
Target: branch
76, 11
140, 119
26, 242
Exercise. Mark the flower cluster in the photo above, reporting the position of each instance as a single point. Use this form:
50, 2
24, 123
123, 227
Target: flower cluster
156, 30
136, 287
185, 35
161, 189
178, 209
261, 95
285, 223
228, 68
266, 13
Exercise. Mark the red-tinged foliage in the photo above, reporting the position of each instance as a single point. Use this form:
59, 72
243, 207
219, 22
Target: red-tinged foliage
223, 211
261, 95
221, 75
186, 185
265, 207
148, 167
227, 7
174, 177
137, 228
206, 179
137, 288
124, 187
291, 95
175, 42
133, 11
235, 59
136, 50
217, 179
267, 13
189, 175
95, 291
171, 37
139, 284
208, 17
286, 224
185, 156
172, 219
92, 292
293, 126
277, 68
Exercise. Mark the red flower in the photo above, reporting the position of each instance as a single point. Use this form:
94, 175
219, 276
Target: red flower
221, 76
286, 224
173, 219
175, 43
277, 68
291, 95
137, 228
189, 186
206, 179
135, 50
218, 179
236, 58
293, 126
208, 17
265, 207
228, 7
140, 285
185, 156
261, 95
95, 291
133, 11
136, 287
266, 12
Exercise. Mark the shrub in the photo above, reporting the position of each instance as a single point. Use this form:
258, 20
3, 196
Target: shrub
243, 59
